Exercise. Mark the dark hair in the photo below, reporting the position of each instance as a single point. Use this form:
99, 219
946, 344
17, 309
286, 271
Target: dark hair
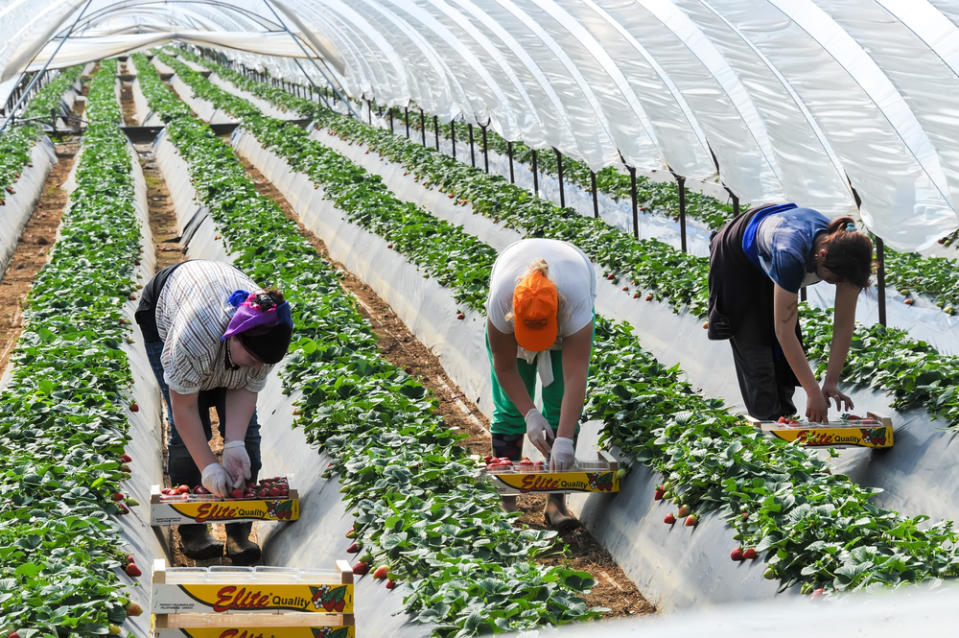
848, 252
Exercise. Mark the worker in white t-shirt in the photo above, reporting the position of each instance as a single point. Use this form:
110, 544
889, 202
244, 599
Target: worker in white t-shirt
540, 321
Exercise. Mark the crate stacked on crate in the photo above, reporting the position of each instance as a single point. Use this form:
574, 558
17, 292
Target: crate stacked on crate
281, 602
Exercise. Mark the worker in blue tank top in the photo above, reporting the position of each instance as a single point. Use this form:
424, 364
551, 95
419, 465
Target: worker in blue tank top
758, 263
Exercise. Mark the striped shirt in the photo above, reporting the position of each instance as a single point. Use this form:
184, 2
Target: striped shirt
192, 313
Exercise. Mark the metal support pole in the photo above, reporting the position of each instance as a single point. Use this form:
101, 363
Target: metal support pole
389, 115
485, 152
369, 112
423, 127
453, 136
406, 118
535, 174
592, 188
632, 195
436, 131
881, 278
509, 152
472, 148
559, 172
681, 185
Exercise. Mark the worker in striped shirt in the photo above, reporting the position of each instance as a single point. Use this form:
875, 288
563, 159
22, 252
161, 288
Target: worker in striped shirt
212, 336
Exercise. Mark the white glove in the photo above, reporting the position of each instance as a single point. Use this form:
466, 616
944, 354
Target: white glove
216, 479
237, 462
538, 431
562, 455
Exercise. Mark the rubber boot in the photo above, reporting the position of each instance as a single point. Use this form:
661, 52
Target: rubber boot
557, 516
198, 544
239, 547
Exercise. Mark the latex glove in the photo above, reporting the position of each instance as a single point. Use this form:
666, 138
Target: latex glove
538, 431
237, 462
562, 455
216, 479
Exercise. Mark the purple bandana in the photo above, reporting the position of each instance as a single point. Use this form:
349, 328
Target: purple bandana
258, 311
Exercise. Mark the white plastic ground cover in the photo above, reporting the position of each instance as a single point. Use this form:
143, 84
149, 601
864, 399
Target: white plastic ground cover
143, 115
883, 614
318, 538
907, 475
635, 535
18, 207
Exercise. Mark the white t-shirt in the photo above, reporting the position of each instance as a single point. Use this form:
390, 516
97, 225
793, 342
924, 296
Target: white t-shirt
192, 313
569, 269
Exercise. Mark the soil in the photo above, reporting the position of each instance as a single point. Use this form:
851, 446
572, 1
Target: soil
36, 240
613, 589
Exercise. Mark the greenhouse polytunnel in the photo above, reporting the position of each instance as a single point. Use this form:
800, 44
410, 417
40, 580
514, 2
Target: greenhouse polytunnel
356, 170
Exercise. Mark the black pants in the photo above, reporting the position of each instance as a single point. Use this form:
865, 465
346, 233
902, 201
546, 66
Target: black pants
766, 381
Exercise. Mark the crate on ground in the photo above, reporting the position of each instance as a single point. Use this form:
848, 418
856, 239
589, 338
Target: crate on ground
520, 477
271, 500
282, 602
849, 431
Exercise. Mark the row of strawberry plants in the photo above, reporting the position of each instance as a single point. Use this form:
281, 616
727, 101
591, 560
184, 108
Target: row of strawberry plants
413, 490
913, 372
63, 415
16, 141
816, 529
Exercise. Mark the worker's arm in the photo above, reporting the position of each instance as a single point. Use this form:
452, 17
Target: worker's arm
503, 348
240, 404
186, 415
576, 351
785, 316
844, 318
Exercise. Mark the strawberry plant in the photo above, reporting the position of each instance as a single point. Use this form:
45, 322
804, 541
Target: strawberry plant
63, 417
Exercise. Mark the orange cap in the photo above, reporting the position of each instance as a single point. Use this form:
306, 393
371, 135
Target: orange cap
534, 310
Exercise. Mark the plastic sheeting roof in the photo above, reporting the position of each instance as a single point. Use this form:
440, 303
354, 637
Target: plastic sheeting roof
792, 99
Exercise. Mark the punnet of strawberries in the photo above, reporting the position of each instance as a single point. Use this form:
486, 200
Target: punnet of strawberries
503, 464
275, 487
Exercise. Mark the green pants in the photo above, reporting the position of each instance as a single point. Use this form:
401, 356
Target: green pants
506, 418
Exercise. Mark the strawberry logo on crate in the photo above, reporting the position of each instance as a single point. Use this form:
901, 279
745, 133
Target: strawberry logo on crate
330, 598
280, 510
600, 481
874, 436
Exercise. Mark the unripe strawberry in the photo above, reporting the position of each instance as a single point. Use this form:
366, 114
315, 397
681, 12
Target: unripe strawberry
380, 572
691, 520
134, 609
683, 511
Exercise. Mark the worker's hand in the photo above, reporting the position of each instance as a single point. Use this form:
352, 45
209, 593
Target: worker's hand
562, 456
237, 462
817, 407
216, 479
831, 391
538, 431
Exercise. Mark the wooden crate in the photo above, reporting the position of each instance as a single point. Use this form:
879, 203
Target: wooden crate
212, 602
196, 508
874, 431
599, 476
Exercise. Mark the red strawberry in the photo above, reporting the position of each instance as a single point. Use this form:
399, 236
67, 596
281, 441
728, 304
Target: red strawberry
181, 489
360, 568
610, 276
409, 370
670, 519
123, 508
658, 496
736, 554
134, 609
461, 316
237, 493
691, 520
816, 593
749, 553
132, 570
389, 245
909, 302
130, 559
354, 548
649, 297
380, 572
117, 496
134, 407
126, 458
132, 297
625, 287
636, 295
390, 584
